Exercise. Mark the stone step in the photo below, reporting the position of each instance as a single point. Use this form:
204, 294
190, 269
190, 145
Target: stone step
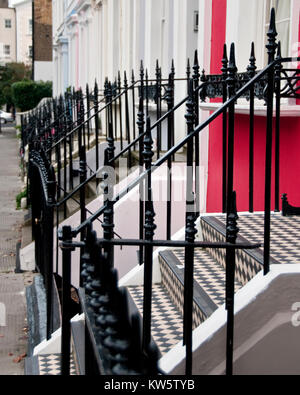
251, 230
168, 296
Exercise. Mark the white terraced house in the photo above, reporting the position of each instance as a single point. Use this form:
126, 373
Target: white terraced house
165, 207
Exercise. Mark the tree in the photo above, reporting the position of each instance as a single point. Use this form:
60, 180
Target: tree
9, 74
27, 94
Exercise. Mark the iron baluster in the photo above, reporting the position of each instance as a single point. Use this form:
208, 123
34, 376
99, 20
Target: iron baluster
251, 72
190, 232
88, 106
158, 107
133, 107
120, 109
116, 109
196, 79
127, 120
108, 215
149, 234
224, 70
141, 125
231, 232
271, 47
82, 121
231, 83
170, 104
82, 193
147, 92
67, 248
278, 69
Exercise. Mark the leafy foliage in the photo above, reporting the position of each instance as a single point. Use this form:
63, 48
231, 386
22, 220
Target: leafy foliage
9, 74
27, 94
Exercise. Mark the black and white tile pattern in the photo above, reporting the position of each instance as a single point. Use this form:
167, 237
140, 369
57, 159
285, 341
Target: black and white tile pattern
175, 287
285, 234
209, 274
248, 262
49, 365
166, 319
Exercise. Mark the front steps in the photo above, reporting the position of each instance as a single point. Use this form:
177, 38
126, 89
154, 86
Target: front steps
167, 300
254, 299
209, 274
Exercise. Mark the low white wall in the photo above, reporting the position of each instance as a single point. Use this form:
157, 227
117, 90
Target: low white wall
266, 330
126, 218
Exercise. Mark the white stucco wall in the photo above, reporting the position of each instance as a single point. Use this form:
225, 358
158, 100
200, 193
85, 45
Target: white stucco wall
24, 33
43, 71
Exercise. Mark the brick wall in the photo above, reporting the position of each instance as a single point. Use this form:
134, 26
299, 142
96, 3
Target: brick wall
42, 30
3, 3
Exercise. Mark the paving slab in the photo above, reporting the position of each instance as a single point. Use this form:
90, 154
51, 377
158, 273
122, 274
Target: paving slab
13, 322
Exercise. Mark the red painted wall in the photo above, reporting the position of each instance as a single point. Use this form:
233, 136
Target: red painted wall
289, 145
218, 37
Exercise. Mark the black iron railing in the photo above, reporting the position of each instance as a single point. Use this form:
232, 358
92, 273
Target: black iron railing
116, 342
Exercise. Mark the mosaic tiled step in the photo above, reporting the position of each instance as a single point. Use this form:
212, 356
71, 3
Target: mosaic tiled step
209, 281
248, 262
167, 297
166, 319
285, 231
46, 365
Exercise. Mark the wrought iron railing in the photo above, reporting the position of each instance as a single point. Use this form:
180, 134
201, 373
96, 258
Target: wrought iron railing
116, 343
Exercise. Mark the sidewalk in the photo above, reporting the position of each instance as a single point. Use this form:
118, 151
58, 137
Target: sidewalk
13, 336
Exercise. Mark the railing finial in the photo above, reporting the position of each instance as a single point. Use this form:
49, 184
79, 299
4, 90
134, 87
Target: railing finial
272, 34
252, 62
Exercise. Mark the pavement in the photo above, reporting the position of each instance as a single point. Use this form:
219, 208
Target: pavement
13, 322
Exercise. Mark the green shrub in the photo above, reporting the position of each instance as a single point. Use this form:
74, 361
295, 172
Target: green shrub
19, 197
27, 94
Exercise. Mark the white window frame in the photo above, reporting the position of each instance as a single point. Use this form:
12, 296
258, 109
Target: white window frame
270, 4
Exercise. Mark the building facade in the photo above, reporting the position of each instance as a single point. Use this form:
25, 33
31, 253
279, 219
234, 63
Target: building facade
23, 30
7, 33
96, 38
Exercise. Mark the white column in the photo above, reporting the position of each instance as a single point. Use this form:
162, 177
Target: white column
65, 64
153, 28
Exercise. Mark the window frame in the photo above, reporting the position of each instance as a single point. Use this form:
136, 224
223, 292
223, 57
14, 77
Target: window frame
8, 23
7, 50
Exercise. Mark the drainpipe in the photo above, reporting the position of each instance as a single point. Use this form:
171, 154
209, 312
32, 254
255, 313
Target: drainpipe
33, 57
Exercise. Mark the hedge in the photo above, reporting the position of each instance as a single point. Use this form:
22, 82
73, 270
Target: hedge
27, 94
